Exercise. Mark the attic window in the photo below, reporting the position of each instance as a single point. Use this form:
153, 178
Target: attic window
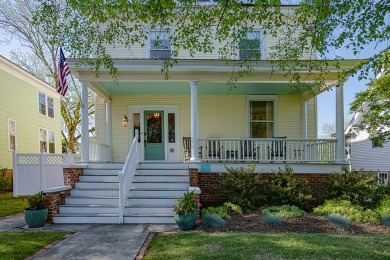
252, 47
160, 45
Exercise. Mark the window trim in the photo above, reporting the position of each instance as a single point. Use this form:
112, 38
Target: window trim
273, 98
262, 43
47, 140
385, 180
148, 42
9, 141
47, 105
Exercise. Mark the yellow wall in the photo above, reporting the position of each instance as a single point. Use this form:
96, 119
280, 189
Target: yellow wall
219, 116
19, 101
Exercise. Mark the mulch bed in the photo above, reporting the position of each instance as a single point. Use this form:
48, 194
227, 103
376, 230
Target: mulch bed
310, 223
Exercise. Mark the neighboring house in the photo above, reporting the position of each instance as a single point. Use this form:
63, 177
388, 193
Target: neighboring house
190, 124
30, 117
364, 154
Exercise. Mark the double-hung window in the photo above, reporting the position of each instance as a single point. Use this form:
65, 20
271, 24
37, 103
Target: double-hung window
160, 45
252, 46
47, 141
46, 105
11, 134
261, 118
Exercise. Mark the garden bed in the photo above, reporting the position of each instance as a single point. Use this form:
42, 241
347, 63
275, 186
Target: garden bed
310, 223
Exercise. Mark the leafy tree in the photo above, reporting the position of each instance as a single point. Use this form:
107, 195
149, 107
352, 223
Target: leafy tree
329, 128
16, 19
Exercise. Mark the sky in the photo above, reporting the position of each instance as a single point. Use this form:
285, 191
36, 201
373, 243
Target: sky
326, 101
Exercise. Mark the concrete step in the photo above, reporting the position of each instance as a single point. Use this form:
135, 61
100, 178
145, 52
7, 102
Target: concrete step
160, 166
92, 200
86, 218
153, 209
101, 171
156, 185
151, 201
149, 219
156, 193
89, 209
97, 185
162, 172
161, 179
114, 166
95, 192
98, 178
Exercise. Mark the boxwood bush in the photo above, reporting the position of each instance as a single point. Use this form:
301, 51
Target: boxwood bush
343, 207
284, 211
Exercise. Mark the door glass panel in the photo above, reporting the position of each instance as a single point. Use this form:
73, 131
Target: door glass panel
154, 128
171, 127
136, 122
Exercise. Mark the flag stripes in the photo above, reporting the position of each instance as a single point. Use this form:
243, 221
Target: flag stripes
63, 71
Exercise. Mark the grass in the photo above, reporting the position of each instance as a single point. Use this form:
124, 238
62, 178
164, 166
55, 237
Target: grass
10, 205
201, 245
19, 245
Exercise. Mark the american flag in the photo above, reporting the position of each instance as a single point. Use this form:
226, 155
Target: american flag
63, 71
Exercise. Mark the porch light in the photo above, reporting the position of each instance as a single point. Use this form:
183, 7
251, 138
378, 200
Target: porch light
125, 121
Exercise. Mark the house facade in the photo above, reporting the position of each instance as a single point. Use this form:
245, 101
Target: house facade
30, 114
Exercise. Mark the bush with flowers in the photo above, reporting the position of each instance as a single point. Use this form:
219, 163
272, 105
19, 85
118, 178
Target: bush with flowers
37, 201
186, 204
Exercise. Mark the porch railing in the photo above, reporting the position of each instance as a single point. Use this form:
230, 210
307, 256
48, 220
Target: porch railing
126, 175
267, 150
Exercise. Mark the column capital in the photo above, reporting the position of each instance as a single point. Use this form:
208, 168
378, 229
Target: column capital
194, 83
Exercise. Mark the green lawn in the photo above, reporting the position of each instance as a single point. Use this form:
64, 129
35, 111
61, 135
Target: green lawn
10, 205
19, 245
201, 245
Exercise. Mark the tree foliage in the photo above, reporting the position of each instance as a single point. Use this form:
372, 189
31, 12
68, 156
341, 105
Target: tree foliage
17, 20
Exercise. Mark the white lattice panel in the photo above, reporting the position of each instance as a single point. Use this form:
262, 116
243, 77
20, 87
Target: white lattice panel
55, 159
28, 159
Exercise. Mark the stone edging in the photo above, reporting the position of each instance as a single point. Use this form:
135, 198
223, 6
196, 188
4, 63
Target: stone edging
43, 250
145, 246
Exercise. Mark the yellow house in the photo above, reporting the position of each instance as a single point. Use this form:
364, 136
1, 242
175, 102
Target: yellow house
30, 117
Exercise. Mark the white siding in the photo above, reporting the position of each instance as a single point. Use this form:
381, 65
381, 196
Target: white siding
100, 119
312, 118
363, 156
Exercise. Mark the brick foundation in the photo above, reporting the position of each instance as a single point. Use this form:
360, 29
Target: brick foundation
71, 175
207, 182
56, 198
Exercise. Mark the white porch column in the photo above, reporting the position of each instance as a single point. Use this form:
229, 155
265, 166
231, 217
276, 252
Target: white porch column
194, 121
304, 119
340, 157
84, 122
108, 126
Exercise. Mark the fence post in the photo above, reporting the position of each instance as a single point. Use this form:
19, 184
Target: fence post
14, 174
42, 168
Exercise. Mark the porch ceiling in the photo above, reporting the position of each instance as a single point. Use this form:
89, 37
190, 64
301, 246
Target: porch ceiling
168, 87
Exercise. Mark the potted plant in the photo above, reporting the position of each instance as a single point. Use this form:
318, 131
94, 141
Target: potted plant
185, 211
36, 213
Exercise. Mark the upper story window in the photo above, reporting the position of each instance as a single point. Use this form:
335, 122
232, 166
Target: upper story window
160, 45
261, 118
252, 46
46, 105
47, 140
11, 134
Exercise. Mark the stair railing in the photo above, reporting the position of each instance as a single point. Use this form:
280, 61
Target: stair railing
126, 175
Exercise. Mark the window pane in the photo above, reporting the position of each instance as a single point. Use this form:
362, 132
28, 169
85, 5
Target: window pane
136, 125
262, 110
160, 45
12, 134
43, 140
42, 103
161, 54
262, 130
50, 107
154, 128
250, 47
171, 127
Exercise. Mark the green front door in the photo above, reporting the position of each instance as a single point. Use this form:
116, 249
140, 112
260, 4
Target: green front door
154, 135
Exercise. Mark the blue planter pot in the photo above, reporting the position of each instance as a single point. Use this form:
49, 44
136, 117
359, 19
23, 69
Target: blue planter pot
35, 218
186, 221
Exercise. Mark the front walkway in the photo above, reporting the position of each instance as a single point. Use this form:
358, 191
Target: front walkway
91, 241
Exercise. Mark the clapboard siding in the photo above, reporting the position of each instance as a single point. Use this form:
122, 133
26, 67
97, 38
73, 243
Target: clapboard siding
363, 156
312, 118
289, 116
100, 119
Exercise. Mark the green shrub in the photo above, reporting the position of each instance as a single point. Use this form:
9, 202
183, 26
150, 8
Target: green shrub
383, 207
284, 211
5, 182
212, 221
343, 207
386, 221
242, 187
338, 221
284, 189
270, 220
223, 211
357, 187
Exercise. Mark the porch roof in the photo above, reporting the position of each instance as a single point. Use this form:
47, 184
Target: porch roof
211, 74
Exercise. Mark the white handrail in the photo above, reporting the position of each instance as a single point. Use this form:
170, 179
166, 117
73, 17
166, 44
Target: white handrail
126, 175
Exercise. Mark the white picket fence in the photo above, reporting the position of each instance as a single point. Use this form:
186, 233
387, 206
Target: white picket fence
34, 172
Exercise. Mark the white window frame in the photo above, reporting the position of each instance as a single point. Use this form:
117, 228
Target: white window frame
262, 43
273, 98
48, 131
46, 114
9, 140
383, 181
148, 41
